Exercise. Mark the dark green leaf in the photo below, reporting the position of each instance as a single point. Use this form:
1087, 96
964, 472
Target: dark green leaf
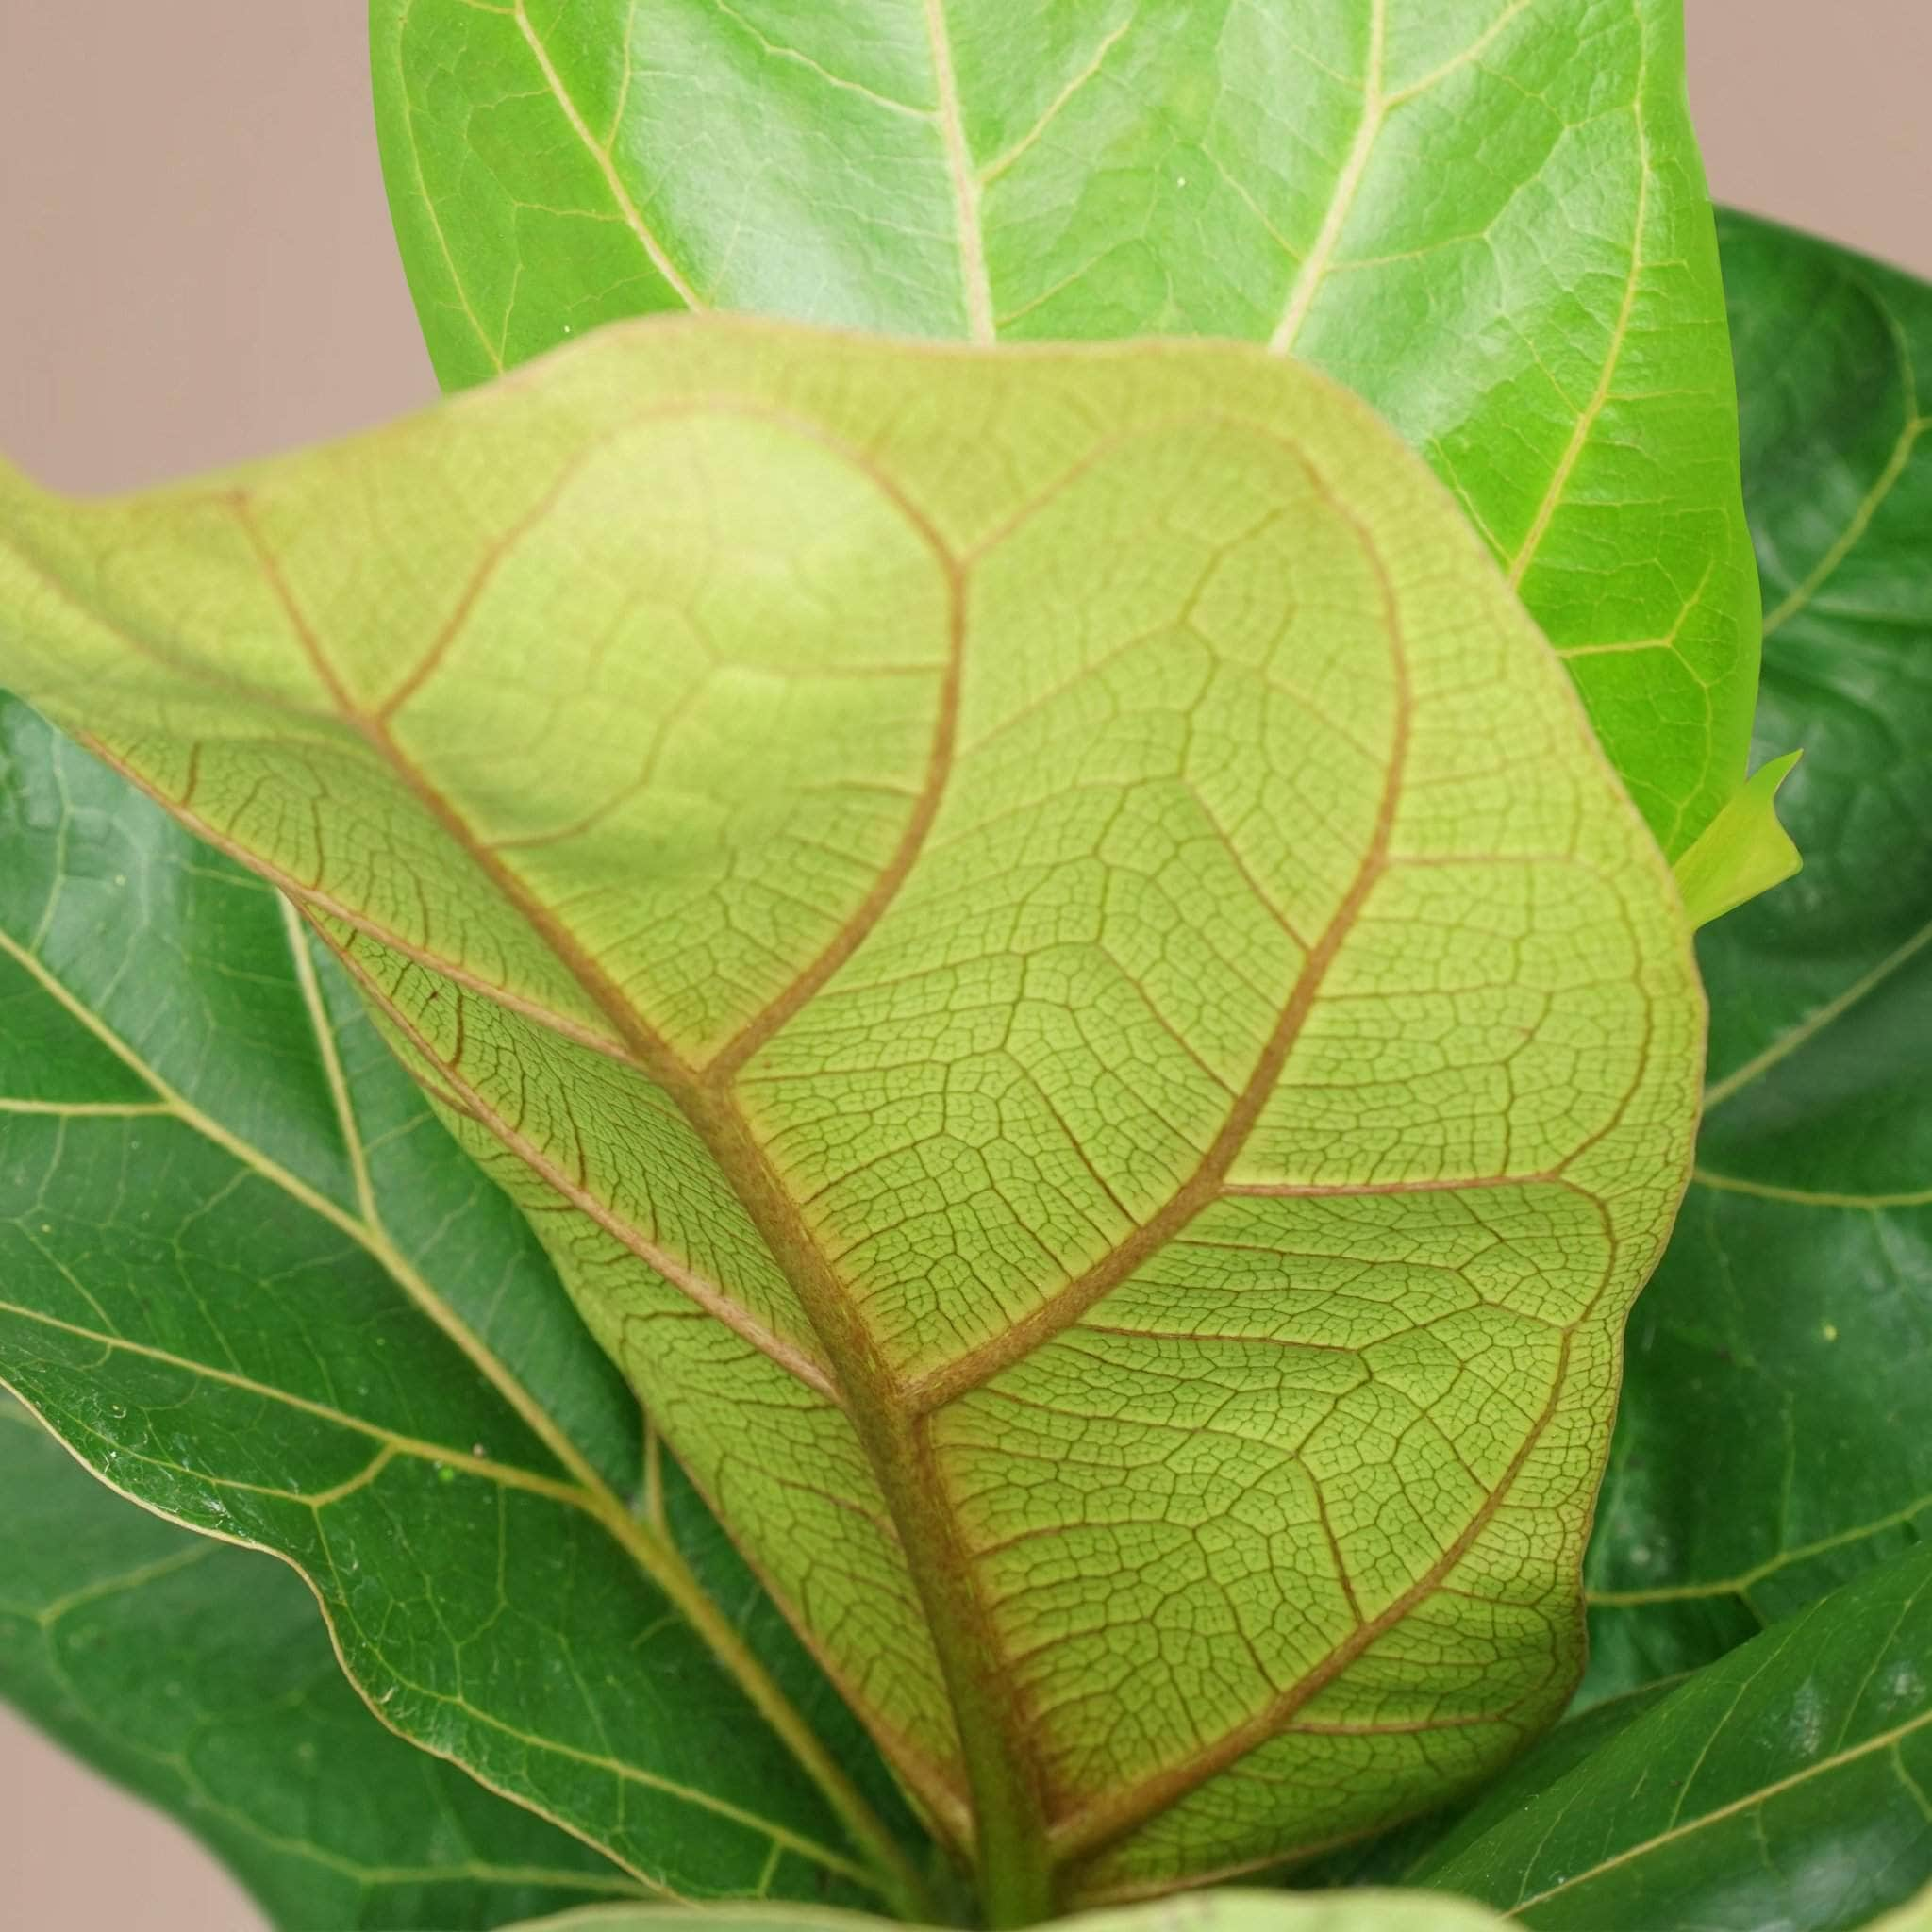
199, 1675
1772, 1438
253, 1283
1787, 1786
1486, 218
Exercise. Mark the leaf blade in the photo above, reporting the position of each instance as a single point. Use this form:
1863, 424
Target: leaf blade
1797, 1282
1742, 852
1317, 915
1376, 187
1782, 1785
471, 1406
256, 1744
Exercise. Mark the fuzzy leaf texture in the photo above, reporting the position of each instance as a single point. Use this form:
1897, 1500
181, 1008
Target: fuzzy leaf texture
1772, 1441
1488, 217
1061, 973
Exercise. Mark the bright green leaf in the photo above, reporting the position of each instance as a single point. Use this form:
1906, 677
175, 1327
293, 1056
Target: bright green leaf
1228, 1910
252, 1283
1489, 219
1772, 1441
1784, 1785
199, 1676
1742, 852
943, 882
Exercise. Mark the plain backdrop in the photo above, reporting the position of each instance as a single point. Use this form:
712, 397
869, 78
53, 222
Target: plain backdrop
196, 266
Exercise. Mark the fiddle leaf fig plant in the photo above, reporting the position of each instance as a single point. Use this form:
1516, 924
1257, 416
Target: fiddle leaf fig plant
935, 1209
895, 1101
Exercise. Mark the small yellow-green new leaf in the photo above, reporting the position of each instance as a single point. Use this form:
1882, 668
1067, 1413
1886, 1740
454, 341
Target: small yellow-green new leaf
1058, 964
1742, 852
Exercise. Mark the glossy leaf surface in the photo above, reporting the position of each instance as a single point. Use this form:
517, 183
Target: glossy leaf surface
252, 1283
1226, 1910
1063, 978
1786, 1786
1772, 1438
1486, 216
199, 1675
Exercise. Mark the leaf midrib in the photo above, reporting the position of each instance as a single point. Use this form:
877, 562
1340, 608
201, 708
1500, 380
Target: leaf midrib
1883, 1740
897, 1443
891, 1428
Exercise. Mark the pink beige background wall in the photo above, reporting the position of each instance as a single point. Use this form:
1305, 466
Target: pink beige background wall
196, 266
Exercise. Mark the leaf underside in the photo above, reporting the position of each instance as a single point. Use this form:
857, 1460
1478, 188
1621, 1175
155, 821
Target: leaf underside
1771, 1441
1059, 973
199, 1676
1488, 217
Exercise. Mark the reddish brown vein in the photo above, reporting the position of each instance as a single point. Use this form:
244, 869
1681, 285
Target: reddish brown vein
1107, 1818
890, 1418
853, 932
1007, 1800
495, 553
938, 1386
707, 1294
1351, 1190
311, 901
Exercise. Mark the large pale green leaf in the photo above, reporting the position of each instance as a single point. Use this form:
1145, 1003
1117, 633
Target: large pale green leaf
1789, 1784
1773, 1440
199, 1675
1060, 971
1226, 1910
1487, 216
250, 1280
